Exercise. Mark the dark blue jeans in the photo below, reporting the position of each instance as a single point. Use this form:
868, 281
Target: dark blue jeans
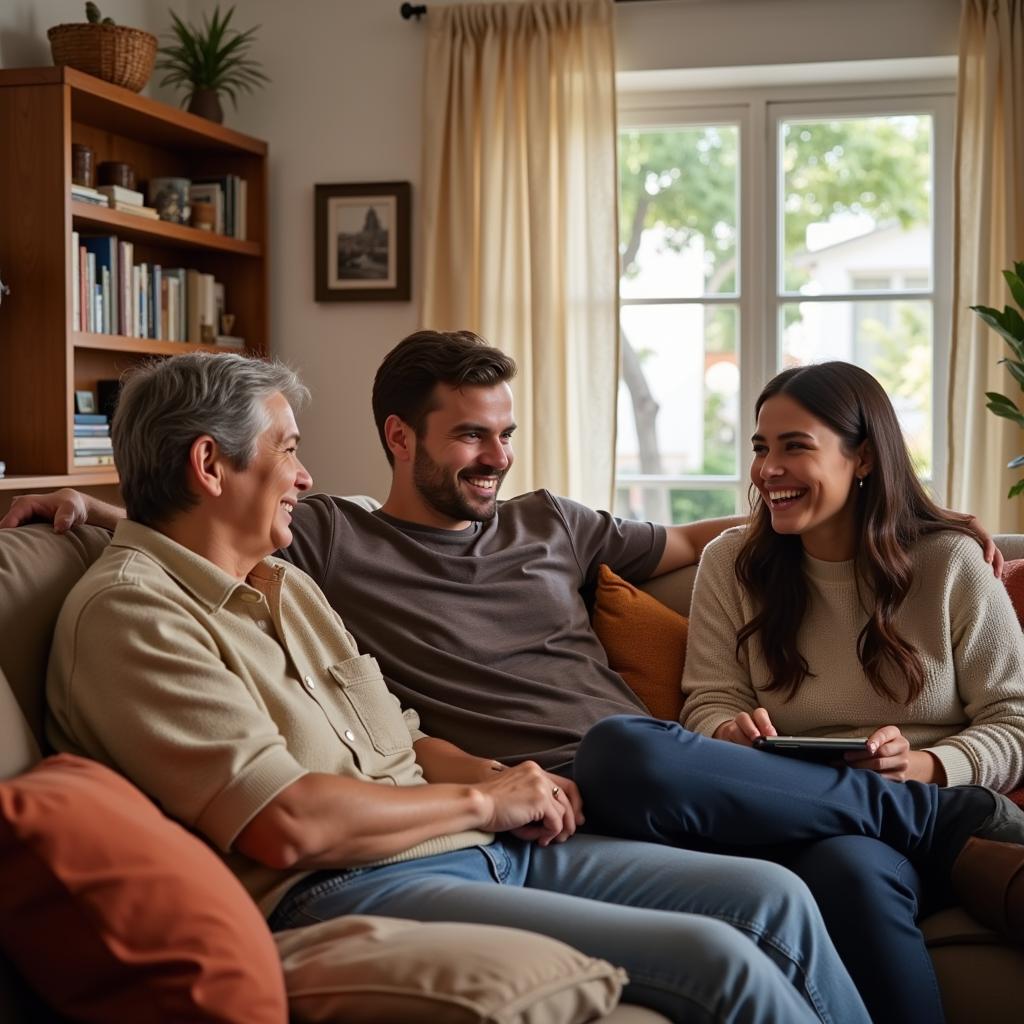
866, 847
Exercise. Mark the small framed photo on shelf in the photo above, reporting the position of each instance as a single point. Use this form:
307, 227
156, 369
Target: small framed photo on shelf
363, 244
85, 401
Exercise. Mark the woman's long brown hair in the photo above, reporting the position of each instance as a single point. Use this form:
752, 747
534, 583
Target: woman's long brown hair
893, 511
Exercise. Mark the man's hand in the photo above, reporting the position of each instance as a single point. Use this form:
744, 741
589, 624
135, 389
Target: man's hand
890, 755
530, 803
744, 728
992, 554
64, 508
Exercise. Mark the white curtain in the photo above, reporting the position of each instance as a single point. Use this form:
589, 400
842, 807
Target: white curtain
519, 208
989, 236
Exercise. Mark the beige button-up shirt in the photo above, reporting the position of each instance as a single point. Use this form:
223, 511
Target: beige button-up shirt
213, 695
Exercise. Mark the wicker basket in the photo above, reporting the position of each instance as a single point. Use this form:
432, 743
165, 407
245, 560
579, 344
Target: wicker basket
115, 53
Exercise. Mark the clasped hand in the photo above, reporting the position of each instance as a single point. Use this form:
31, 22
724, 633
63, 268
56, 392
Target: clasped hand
532, 804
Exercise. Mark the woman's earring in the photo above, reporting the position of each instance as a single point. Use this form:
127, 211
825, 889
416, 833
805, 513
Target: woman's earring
860, 483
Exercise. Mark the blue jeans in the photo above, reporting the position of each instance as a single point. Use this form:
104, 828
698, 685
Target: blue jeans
703, 937
863, 844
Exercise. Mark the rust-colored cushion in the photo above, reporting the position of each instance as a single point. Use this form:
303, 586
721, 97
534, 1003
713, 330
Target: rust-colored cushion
112, 912
1013, 580
645, 642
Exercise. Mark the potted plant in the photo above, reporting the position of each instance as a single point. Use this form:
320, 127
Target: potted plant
1010, 324
117, 54
210, 60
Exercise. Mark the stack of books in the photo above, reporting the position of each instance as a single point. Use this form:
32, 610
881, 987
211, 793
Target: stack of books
91, 440
128, 201
228, 195
112, 294
84, 194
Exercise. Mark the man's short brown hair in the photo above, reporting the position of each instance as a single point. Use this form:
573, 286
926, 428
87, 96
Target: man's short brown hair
406, 381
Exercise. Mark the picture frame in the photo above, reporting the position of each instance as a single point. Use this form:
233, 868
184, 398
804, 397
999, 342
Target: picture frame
363, 243
85, 402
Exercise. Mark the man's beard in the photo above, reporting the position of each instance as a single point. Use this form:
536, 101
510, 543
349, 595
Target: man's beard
442, 493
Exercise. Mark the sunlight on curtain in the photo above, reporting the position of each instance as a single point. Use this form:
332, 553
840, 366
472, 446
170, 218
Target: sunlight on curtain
519, 217
989, 226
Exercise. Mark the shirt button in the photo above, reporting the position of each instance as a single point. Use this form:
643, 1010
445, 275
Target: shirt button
350, 735
262, 623
309, 682
251, 598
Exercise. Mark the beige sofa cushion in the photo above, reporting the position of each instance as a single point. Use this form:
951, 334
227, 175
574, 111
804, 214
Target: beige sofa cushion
37, 569
18, 747
363, 969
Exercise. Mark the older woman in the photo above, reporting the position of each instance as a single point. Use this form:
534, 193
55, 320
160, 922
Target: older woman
221, 682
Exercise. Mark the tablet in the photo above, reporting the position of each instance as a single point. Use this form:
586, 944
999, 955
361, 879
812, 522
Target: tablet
812, 748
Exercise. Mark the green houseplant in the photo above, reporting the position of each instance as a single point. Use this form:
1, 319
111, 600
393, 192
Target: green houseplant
209, 60
1010, 325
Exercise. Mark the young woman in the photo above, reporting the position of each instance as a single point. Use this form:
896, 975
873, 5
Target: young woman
852, 605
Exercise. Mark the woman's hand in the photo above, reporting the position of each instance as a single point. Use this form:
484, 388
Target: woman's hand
744, 728
890, 755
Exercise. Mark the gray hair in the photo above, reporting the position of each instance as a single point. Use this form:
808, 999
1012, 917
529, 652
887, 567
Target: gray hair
165, 404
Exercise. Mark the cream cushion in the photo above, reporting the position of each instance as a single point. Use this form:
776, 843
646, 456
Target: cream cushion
37, 569
366, 969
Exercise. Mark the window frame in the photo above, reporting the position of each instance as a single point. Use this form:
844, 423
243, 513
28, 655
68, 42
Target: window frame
758, 111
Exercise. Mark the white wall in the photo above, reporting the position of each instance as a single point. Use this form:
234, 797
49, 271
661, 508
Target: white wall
736, 33
344, 106
23, 24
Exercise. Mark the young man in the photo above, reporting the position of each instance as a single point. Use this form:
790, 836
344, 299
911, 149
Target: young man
474, 610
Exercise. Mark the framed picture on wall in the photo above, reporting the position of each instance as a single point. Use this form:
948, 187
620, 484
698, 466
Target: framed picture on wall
363, 243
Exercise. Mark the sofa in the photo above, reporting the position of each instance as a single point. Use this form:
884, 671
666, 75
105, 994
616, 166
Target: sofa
391, 971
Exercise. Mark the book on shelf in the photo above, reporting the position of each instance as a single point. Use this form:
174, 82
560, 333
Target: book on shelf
212, 193
229, 194
93, 460
120, 194
103, 249
76, 285
200, 300
137, 211
92, 430
85, 194
92, 445
117, 295
230, 341
91, 418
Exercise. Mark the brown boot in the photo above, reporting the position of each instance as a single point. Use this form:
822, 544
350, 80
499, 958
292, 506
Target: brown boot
988, 879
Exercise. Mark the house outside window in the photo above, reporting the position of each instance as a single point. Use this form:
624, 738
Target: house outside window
760, 231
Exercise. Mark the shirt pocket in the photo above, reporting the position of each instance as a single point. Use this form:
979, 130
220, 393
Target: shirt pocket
364, 690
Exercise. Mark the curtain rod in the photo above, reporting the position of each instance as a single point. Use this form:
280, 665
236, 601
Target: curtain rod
409, 11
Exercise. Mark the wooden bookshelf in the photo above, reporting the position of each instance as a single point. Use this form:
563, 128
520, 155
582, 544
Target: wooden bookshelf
43, 358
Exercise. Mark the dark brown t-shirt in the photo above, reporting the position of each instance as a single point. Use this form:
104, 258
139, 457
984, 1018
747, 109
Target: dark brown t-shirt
483, 631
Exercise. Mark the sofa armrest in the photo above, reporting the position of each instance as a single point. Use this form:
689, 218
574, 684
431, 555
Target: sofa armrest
673, 588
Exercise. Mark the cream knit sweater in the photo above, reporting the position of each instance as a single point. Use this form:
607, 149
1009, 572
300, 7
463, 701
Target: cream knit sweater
970, 714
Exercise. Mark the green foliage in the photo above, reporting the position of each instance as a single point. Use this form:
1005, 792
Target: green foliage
1009, 324
213, 57
686, 180
93, 16
689, 506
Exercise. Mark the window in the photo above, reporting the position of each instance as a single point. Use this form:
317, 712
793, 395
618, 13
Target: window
768, 232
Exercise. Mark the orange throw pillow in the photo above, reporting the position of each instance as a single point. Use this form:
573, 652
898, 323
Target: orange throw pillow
112, 912
645, 642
